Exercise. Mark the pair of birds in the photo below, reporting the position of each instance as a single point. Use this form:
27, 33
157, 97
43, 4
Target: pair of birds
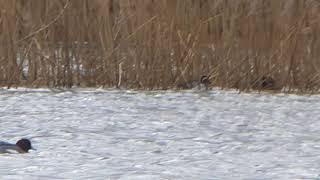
21, 146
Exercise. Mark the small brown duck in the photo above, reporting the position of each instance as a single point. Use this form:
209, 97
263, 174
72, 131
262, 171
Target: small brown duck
265, 82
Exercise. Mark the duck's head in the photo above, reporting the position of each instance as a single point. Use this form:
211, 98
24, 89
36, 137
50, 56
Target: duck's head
205, 80
24, 145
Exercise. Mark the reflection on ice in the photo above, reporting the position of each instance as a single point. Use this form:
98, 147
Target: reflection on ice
96, 134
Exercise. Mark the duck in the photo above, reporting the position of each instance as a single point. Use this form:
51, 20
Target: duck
203, 83
265, 83
22, 146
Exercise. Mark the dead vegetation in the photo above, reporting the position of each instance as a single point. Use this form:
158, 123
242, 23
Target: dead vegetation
148, 44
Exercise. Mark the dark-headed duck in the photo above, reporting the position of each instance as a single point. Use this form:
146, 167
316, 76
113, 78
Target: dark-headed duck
21, 146
202, 84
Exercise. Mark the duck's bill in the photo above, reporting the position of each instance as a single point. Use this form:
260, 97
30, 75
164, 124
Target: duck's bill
34, 149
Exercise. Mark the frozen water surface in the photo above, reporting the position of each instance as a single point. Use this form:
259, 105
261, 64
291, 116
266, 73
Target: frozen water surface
110, 134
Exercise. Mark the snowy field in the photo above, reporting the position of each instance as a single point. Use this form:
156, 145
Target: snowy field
111, 134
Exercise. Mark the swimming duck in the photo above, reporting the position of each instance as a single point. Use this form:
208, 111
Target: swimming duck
21, 146
203, 83
265, 82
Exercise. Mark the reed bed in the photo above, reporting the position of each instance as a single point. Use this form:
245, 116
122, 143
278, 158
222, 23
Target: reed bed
158, 44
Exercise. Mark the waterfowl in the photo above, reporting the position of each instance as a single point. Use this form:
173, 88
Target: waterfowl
265, 82
21, 146
203, 83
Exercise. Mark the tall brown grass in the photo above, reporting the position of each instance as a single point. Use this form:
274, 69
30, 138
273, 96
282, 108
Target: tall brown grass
157, 44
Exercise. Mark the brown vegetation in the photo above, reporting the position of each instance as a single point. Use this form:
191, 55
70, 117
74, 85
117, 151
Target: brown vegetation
158, 44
